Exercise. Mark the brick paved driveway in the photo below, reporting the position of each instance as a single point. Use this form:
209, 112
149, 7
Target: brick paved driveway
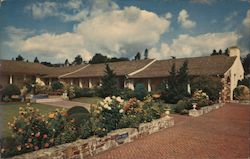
222, 134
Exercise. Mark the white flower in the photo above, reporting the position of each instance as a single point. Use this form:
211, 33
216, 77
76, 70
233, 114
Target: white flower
119, 100
113, 97
109, 108
121, 111
106, 106
101, 103
108, 100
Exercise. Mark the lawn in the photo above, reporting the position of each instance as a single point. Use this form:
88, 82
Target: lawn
89, 100
8, 111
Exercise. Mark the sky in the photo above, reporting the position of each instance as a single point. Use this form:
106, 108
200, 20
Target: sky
55, 30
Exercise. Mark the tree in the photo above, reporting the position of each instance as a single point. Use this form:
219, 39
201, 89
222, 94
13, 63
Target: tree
176, 84
78, 60
146, 54
66, 63
115, 59
214, 53
212, 86
182, 80
226, 52
19, 58
109, 83
138, 56
98, 58
220, 52
246, 64
36, 60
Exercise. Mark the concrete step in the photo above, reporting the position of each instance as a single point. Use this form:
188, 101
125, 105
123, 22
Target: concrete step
48, 100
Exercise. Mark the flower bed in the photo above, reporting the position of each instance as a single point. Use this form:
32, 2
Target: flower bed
204, 110
33, 131
94, 145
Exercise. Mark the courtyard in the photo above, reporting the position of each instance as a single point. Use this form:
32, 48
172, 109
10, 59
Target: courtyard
223, 133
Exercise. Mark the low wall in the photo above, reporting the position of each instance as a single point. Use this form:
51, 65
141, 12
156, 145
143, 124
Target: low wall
94, 145
204, 110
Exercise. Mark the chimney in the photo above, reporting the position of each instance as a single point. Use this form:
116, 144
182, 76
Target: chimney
234, 51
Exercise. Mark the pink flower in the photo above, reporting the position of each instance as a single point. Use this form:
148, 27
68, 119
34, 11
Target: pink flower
36, 148
45, 136
38, 134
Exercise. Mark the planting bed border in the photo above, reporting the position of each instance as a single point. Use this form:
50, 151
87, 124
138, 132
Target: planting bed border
88, 147
204, 110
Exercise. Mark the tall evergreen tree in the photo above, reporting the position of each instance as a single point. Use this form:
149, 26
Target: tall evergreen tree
214, 53
19, 58
138, 56
146, 54
36, 60
109, 83
220, 52
177, 84
182, 80
66, 63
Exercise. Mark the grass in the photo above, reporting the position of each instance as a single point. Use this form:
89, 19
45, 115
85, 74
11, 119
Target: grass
9, 110
89, 100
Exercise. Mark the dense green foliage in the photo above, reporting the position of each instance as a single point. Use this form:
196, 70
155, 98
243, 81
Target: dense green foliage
126, 93
177, 82
140, 91
10, 90
241, 93
56, 85
212, 86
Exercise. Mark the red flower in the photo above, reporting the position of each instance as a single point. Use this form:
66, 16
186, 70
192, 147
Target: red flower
46, 145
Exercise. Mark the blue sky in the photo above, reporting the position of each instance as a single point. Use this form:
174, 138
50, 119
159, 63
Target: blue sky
54, 30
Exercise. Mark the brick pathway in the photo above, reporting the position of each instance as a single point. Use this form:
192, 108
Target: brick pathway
222, 134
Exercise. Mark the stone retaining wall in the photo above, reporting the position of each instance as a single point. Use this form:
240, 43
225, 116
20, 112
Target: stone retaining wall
204, 110
94, 145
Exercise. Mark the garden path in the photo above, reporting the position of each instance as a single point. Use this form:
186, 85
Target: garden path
222, 133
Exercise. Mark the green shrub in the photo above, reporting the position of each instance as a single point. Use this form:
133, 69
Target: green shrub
245, 82
86, 92
56, 85
39, 89
241, 92
69, 134
152, 109
77, 110
85, 130
10, 90
140, 91
212, 86
126, 93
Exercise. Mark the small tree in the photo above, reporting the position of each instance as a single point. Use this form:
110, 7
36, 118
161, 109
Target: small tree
146, 54
36, 60
138, 56
98, 58
19, 58
66, 63
140, 91
78, 60
182, 80
214, 53
109, 83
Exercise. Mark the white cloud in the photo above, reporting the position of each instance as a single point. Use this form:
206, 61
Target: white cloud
117, 33
187, 46
168, 16
231, 16
184, 20
72, 10
41, 10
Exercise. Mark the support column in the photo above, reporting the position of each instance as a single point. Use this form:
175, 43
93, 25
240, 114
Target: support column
80, 83
11, 79
50, 81
90, 83
131, 84
71, 82
188, 88
149, 85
